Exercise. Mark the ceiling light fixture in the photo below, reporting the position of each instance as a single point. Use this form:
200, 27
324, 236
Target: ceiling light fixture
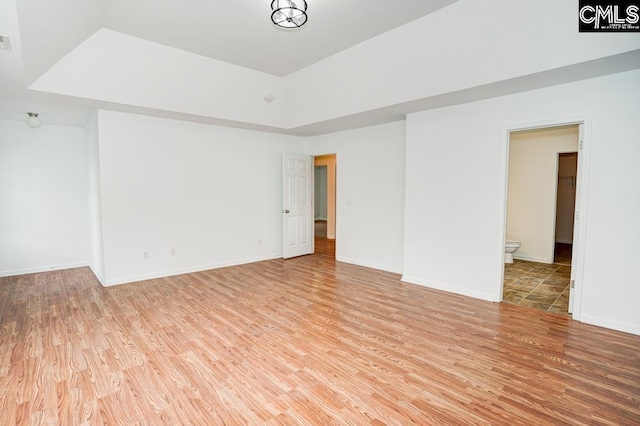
289, 13
32, 120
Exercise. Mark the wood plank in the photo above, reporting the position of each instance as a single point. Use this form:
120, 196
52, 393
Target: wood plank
301, 341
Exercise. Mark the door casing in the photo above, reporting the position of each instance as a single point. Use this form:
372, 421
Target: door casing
578, 254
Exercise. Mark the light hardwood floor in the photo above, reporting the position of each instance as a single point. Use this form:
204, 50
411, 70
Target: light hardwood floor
302, 341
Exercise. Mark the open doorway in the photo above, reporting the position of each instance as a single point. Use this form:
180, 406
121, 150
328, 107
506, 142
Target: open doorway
325, 203
541, 199
320, 194
565, 207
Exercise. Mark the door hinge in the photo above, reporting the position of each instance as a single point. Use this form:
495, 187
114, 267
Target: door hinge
577, 215
572, 283
580, 145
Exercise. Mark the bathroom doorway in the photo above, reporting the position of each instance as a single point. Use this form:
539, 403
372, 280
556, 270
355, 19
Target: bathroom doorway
541, 197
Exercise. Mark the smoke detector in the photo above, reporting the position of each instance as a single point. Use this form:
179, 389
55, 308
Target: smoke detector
4, 42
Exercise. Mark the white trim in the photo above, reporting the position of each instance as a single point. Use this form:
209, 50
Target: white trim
582, 191
39, 269
532, 258
312, 201
338, 240
502, 215
449, 288
577, 263
551, 250
99, 277
370, 265
188, 270
613, 325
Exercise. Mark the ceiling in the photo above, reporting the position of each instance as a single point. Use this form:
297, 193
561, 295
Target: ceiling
239, 32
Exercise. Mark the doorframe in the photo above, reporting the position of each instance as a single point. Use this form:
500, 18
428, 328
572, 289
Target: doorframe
582, 192
332, 166
335, 196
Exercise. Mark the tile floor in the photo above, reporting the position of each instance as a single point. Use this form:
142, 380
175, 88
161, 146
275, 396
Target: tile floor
539, 285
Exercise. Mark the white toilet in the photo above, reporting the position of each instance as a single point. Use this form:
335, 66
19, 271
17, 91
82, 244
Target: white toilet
510, 247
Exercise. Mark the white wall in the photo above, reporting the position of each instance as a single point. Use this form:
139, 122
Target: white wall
320, 193
115, 67
494, 41
63, 34
565, 206
43, 198
211, 193
96, 252
409, 63
531, 197
369, 192
455, 242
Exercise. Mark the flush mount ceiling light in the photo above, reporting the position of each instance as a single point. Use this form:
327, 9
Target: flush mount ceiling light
289, 13
32, 120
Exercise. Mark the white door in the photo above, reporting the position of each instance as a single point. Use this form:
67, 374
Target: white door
297, 208
576, 222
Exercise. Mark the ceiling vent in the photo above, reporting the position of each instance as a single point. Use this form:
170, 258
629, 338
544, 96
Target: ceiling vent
4, 43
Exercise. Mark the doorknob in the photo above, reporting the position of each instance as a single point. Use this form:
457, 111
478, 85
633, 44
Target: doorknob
285, 211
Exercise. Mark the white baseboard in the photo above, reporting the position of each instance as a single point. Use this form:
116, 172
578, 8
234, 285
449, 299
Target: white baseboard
38, 269
98, 276
611, 324
449, 288
371, 265
188, 270
532, 258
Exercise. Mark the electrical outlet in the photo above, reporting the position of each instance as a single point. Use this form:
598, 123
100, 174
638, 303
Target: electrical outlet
145, 255
260, 241
173, 252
